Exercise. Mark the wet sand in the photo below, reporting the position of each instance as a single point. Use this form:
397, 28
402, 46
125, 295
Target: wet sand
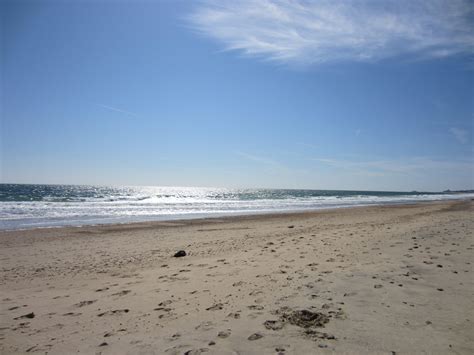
391, 279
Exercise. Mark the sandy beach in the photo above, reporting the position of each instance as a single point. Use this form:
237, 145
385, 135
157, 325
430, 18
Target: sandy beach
382, 280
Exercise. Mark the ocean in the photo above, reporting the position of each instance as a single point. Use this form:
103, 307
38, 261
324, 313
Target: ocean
33, 206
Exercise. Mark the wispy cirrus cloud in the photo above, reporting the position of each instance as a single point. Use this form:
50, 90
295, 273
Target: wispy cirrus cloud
259, 159
322, 31
461, 135
400, 166
110, 108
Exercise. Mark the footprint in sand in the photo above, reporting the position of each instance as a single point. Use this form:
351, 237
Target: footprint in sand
116, 311
205, 326
163, 309
28, 315
255, 336
216, 307
273, 324
72, 314
224, 334
175, 336
122, 293
196, 351
162, 306
85, 303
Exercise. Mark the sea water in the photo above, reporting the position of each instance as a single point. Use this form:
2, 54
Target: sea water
32, 206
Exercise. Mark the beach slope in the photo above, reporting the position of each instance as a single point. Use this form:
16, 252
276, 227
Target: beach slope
386, 279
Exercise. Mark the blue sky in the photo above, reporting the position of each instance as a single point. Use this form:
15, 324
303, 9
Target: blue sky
295, 94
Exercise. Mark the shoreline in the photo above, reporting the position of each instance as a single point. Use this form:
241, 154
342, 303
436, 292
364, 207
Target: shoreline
352, 280
237, 215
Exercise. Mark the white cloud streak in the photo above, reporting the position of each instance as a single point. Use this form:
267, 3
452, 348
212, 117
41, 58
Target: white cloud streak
461, 135
118, 110
259, 159
323, 31
400, 166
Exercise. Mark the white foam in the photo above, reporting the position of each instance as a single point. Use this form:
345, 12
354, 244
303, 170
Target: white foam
172, 203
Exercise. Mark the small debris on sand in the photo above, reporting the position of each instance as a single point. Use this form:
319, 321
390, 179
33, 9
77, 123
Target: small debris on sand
180, 254
305, 319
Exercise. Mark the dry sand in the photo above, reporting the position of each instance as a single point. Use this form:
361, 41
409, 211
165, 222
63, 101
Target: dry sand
393, 279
